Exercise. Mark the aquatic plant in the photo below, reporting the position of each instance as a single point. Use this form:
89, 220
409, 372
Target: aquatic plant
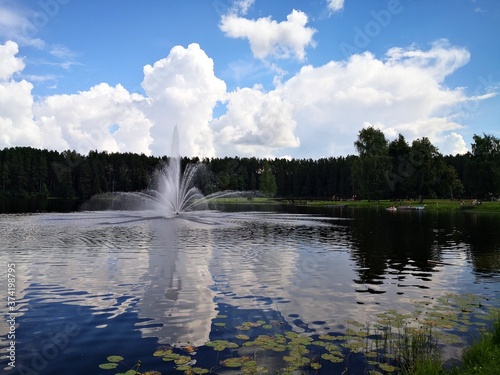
393, 343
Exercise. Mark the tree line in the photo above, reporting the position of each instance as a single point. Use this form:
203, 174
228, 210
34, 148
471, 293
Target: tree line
382, 169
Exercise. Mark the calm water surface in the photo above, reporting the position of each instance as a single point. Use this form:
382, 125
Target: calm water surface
93, 284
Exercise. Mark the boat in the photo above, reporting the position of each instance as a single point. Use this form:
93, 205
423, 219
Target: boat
411, 207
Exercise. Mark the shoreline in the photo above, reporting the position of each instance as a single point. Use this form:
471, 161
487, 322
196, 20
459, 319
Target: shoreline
434, 205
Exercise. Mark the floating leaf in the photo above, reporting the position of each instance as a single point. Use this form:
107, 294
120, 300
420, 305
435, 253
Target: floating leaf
219, 324
386, 367
243, 328
280, 339
316, 366
108, 366
115, 358
249, 364
354, 323
279, 348
242, 337
267, 326
221, 316
220, 345
199, 370
319, 343
303, 340
183, 368
182, 360
235, 362
162, 352
171, 357
332, 358
251, 370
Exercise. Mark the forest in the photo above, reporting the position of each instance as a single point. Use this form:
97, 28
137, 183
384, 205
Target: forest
381, 169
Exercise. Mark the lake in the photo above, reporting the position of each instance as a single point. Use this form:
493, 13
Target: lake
95, 284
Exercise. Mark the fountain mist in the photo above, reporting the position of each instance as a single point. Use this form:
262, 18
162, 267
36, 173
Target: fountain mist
172, 192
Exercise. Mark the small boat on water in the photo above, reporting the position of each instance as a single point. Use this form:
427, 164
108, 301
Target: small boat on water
411, 207
392, 208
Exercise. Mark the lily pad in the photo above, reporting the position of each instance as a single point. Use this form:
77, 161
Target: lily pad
386, 367
199, 370
162, 352
171, 357
235, 362
115, 358
332, 358
108, 366
220, 345
182, 360
316, 365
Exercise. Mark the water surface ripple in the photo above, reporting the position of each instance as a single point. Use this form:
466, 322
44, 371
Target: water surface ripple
93, 284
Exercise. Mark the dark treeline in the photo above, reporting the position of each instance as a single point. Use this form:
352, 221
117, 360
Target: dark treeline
382, 169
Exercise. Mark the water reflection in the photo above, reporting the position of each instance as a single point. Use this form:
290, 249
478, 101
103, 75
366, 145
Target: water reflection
168, 279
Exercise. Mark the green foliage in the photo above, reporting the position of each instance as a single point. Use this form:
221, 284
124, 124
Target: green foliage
374, 162
394, 343
382, 170
267, 181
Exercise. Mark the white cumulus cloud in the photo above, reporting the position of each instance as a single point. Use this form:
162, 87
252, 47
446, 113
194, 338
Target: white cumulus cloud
183, 90
335, 5
9, 63
318, 112
326, 106
17, 127
256, 123
270, 38
241, 6
83, 121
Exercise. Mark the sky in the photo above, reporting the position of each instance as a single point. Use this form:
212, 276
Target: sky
270, 79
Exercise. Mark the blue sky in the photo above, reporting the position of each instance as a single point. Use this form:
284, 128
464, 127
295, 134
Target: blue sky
247, 77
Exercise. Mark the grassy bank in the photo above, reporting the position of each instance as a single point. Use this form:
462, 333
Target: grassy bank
481, 358
430, 204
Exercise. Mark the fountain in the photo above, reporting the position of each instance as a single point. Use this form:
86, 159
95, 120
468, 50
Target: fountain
172, 192
175, 191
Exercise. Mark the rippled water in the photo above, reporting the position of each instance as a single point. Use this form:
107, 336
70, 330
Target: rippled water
92, 284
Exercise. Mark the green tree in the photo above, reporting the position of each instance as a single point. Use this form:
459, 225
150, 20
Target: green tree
372, 165
267, 181
447, 183
484, 166
424, 158
402, 168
